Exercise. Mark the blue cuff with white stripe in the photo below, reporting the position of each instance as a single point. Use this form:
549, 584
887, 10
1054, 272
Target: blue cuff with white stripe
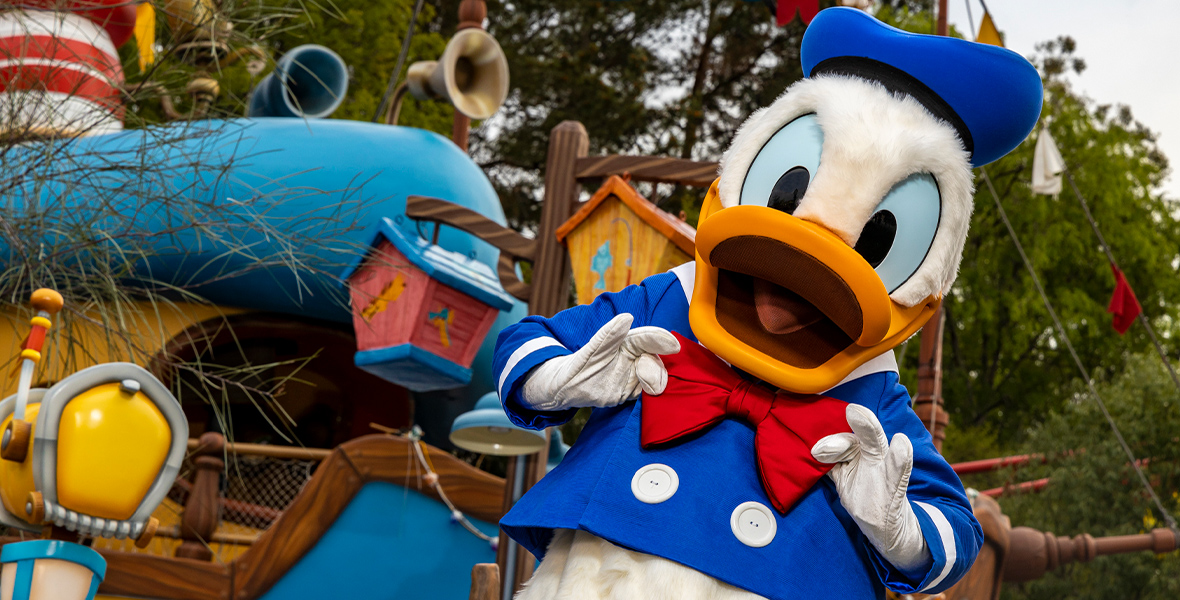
520, 363
942, 569
943, 544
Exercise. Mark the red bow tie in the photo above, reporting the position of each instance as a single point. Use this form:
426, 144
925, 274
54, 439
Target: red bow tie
703, 390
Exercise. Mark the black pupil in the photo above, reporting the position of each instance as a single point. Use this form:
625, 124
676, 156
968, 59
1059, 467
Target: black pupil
877, 237
788, 190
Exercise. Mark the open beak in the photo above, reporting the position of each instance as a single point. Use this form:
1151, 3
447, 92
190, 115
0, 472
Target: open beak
788, 301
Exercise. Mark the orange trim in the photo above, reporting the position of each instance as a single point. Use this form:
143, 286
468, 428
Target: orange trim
712, 202
681, 233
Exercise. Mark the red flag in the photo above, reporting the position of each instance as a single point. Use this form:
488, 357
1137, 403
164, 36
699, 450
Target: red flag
785, 13
1123, 303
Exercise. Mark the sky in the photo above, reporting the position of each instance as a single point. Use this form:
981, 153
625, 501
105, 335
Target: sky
1131, 49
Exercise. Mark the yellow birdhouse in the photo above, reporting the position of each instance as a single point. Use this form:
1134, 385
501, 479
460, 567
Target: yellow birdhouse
619, 237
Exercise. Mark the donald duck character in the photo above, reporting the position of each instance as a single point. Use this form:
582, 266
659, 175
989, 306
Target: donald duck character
749, 437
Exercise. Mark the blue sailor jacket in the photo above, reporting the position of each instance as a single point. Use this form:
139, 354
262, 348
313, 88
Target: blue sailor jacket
816, 550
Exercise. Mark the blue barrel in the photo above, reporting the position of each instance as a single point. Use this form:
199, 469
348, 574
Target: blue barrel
67, 571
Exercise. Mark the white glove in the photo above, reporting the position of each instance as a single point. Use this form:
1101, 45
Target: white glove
610, 369
871, 476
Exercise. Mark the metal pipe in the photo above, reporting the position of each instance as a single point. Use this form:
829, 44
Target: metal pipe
308, 82
1035, 485
994, 464
508, 579
286, 452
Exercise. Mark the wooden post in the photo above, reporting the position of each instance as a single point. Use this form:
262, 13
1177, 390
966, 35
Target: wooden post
928, 400
942, 29
513, 561
485, 582
471, 16
201, 511
551, 274
1020, 554
1033, 553
522, 564
550, 294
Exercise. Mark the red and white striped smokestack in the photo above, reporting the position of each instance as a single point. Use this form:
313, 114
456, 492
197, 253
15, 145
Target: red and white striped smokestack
59, 68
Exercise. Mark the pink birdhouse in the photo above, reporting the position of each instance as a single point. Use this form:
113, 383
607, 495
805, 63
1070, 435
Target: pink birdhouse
420, 312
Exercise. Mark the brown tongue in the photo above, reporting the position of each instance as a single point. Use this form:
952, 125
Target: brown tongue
782, 311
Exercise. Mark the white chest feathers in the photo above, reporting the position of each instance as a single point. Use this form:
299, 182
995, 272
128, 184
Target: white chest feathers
582, 566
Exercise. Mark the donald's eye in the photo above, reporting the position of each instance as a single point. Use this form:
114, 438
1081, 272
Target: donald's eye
898, 236
789, 189
877, 237
780, 173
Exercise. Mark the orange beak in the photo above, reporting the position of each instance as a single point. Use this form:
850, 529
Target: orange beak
788, 301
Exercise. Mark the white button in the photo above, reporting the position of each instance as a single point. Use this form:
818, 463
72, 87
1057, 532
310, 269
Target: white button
654, 483
753, 524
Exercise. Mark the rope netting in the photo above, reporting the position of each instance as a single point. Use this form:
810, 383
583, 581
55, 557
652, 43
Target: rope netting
258, 489
254, 490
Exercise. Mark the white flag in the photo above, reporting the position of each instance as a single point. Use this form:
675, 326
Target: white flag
1047, 166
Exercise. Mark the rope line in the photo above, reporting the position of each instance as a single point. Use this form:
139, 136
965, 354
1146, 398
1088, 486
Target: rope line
424, 461
970, 19
1171, 522
401, 60
1159, 349
426, 455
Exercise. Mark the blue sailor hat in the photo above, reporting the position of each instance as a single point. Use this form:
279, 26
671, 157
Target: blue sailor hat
990, 95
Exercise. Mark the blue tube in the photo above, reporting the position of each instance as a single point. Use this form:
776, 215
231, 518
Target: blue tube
326, 182
322, 182
309, 82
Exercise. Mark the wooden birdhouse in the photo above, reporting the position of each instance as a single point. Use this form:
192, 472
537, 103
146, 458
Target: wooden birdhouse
619, 237
420, 312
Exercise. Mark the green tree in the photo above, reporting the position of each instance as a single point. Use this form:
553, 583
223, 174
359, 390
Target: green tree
1092, 488
915, 16
670, 78
178, 62
1004, 367
368, 36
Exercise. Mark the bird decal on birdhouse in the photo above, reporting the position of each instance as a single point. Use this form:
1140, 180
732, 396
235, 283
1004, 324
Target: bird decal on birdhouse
603, 260
749, 437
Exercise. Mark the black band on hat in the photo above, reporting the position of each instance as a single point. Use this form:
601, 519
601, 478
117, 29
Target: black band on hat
899, 82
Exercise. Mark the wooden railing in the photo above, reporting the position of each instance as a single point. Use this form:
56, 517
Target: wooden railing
204, 506
202, 510
340, 476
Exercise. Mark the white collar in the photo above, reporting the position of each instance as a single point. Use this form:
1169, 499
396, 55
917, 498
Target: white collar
885, 362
